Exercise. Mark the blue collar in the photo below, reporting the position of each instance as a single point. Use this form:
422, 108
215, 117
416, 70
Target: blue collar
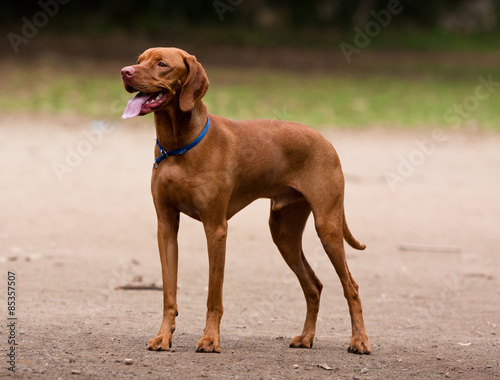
176, 152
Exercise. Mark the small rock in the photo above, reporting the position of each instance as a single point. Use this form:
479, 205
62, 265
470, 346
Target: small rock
439, 358
356, 377
33, 257
399, 360
75, 372
324, 366
128, 361
172, 350
447, 374
295, 366
364, 370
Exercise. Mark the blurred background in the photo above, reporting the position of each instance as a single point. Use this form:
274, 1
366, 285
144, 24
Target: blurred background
324, 63
405, 89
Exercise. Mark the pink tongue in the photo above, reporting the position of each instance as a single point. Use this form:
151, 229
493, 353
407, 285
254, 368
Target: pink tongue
134, 105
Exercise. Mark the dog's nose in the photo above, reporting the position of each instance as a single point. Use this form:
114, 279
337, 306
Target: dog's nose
128, 72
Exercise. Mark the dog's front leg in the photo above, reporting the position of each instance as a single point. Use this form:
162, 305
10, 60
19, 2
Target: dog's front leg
168, 226
216, 234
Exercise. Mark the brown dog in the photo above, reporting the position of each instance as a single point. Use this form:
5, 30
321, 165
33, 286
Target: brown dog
232, 164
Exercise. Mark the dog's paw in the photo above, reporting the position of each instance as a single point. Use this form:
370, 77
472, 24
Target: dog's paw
160, 343
359, 345
302, 341
208, 344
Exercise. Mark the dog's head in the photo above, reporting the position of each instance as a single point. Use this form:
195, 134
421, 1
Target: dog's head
162, 75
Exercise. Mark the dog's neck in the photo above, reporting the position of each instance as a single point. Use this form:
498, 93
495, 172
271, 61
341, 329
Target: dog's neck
176, 129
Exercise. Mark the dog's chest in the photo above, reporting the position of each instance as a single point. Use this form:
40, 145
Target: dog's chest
189, 191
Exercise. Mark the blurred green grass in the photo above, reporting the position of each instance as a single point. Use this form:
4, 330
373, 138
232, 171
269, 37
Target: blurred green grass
417, 97
354, 101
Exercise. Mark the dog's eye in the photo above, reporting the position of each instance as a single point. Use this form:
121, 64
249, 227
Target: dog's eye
161, 64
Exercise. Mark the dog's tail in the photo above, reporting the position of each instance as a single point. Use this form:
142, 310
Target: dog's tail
351, 240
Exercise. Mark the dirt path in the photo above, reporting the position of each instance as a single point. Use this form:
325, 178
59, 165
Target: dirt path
71, 240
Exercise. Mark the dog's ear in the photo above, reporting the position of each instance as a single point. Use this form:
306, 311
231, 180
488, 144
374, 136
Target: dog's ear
195, 86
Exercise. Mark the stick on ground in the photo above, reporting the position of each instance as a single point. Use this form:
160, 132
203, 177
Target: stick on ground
429, 248
139, 287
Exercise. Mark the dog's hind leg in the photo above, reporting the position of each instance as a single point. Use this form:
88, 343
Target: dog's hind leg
329, 226
287, 225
